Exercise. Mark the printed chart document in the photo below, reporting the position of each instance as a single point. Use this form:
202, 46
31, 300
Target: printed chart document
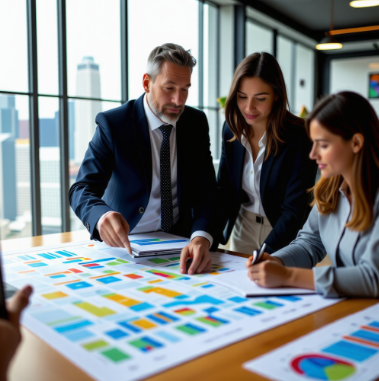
239, 282
347, 349
157, 243
121, 318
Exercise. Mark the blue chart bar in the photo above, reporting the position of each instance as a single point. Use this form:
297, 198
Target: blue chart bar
367, 335
117, 334
238, 299
141, 307
351, 351
290, 298
129, 326
98, 260
48, 256
248, 311
38, 264
167, 336
79, 335
65, 253
26, 257
199, 300
374, 324
70, 327
210, 310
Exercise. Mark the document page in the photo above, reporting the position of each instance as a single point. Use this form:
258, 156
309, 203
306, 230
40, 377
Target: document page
239, 282
347, 349
121, 318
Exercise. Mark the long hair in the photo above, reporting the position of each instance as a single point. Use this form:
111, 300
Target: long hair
345, 114
264, 66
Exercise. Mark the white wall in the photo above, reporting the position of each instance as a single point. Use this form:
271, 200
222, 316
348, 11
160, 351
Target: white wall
353, 74
305, 67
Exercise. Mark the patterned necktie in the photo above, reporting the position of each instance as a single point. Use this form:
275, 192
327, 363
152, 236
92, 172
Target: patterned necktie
167, 214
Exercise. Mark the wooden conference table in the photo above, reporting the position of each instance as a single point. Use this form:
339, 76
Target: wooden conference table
36, 361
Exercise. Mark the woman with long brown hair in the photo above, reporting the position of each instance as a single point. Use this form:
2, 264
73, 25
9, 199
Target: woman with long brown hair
264, 169
344, 221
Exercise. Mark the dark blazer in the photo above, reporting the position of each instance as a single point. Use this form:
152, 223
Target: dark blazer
116, 173
285, 179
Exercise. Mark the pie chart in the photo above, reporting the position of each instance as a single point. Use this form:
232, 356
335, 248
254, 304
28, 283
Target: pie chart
321, 367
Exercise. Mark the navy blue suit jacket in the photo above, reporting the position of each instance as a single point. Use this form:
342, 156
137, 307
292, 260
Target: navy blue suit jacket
116, 173
285, 179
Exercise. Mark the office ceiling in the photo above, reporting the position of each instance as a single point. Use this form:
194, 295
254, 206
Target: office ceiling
312, 17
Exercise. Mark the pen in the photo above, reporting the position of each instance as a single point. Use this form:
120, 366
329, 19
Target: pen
261, 251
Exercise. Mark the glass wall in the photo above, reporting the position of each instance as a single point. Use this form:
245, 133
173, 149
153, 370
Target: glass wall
100, 75
258, 38
304, 78
15, 210
286, 60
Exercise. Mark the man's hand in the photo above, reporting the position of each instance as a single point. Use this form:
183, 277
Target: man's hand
10, 335
114, 231
198, 249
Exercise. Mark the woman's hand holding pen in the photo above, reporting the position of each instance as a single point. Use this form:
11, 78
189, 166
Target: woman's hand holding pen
269, 272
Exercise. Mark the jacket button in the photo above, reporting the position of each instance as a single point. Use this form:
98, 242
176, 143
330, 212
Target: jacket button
141, 210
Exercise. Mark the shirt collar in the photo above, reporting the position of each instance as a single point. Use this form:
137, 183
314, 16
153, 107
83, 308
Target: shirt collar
262, 142
152, 120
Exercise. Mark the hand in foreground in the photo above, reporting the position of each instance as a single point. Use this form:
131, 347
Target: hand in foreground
268, 273
10, 335
114, 231
198, 249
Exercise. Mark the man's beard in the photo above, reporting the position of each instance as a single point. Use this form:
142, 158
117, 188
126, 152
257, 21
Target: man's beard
166, 117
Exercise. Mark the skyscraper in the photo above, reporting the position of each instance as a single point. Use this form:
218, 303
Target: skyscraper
8, 192
8, 115
87, 85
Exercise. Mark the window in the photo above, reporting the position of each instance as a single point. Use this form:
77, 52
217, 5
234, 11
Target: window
304, 78
258, 39
286, 58
78, 74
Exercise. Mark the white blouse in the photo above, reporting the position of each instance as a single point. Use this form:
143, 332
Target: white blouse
251, 177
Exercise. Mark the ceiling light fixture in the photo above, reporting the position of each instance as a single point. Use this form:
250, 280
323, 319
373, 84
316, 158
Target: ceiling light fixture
364, 3
329, 42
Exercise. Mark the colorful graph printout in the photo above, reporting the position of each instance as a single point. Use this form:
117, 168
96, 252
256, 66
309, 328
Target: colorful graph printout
347, 349
374, 85
113, 315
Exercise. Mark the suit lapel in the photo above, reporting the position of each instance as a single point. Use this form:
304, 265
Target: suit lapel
266, 167
142, 135
239, 152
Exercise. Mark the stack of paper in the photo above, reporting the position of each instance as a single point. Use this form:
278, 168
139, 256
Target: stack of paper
156, 243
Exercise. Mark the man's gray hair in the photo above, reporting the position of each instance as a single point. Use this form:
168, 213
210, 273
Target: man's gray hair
168, 52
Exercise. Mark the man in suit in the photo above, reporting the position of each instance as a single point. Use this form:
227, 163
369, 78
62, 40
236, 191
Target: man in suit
149, 167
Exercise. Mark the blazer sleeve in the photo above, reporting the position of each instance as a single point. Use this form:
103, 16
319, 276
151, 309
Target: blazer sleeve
295, 208
307, 250
93, 177
204, 185
361, 280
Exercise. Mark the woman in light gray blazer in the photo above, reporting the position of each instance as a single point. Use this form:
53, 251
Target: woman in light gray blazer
344, 221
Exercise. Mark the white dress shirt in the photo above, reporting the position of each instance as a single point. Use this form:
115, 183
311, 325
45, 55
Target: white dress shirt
151, 219
251, 177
